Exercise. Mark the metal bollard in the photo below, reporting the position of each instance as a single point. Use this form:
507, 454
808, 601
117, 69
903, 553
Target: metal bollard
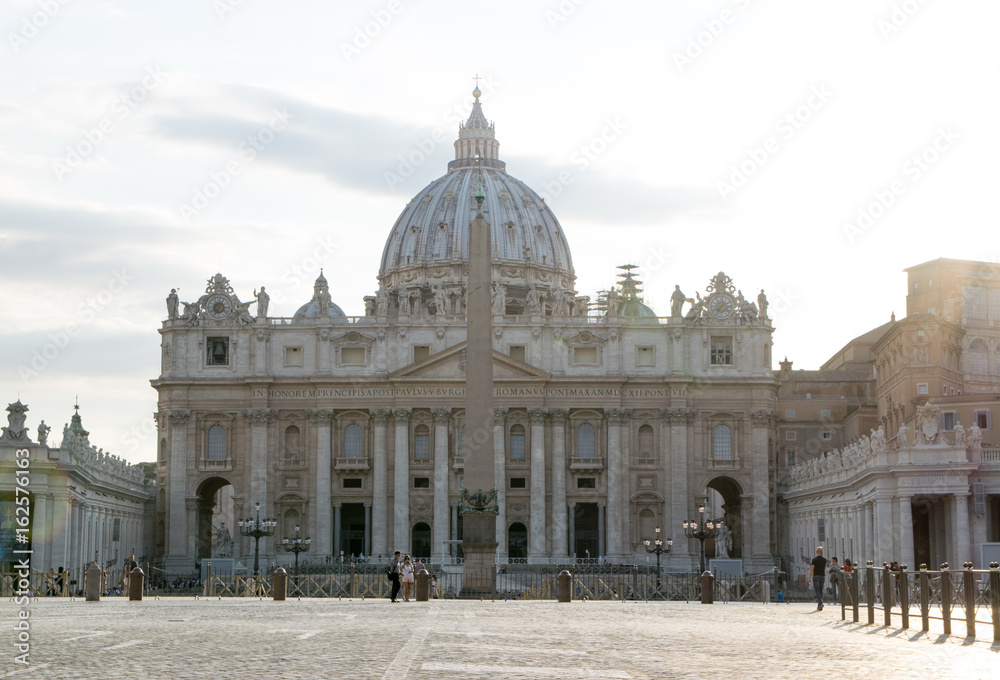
93, 583
135, 584
706, 587
904, 597
925, 599
970, 600
280, 589
209, 588
946, 598
995, 598
422, 582
564, 589
887, 578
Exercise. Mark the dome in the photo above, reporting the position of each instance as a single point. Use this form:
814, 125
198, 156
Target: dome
627, 302
321, 304
429, 244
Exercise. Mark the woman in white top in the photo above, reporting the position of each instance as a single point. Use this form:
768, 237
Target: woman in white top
406, 569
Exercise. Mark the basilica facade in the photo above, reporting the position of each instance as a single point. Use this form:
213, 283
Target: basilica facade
609, 420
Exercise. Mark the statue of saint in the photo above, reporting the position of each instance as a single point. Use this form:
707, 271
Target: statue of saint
172, 302
677, 301
959, 435
382, 302
499, 299
440, 300
224, 542
902, 436
723, 542
612, 302
534, 301
263, 300
697, 307
43, 433
975, 437
762, 305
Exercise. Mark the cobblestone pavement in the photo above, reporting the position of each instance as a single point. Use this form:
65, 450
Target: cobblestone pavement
324, 638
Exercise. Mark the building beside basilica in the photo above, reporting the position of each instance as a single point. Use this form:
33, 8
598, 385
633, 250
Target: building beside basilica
609, 420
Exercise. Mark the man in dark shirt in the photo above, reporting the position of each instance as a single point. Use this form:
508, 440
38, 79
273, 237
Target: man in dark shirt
817, 574
394, 575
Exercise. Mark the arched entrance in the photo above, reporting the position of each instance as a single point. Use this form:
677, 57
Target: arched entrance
517, 541
420, 539
725, 504
216, 520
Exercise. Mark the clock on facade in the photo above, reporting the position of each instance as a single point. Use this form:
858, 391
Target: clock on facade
218, 306
721, 306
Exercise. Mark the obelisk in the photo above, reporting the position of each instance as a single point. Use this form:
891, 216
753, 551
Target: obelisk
479, 539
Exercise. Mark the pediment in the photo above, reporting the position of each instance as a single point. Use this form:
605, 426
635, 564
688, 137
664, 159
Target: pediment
450, 365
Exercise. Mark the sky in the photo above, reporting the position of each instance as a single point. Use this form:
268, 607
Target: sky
813, 150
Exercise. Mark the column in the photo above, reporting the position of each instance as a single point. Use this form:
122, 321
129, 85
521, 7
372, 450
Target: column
572, 529
602, 545
883, 531
762, 422
614, 517
680, 494
259, 419
869, 551
439, 528
960, 522
177, 529
536, 532
41, 533
336, 531
905, 544
560, 547
401, 482
380, 490
321, 519
500, 478
192, 521
368, 528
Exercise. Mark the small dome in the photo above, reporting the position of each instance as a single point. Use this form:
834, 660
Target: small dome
321, 305
636, 309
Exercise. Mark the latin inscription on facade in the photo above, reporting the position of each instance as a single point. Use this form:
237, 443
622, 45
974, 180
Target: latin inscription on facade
395, 392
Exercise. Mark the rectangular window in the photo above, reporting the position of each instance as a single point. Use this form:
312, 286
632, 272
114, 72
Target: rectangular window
217, 351
586, 483
921, 388
421, 352
518, 483
422, 447
517, 447
585, 356
352, 482
421, 482
790, 458
826, 435
722, 351
824, 413
791, 436
293, 356
645, 356
948, 420
789, 413
821, 530
516, 352
981, 419
352, 356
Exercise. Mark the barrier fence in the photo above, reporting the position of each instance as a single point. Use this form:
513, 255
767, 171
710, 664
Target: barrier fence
965, 597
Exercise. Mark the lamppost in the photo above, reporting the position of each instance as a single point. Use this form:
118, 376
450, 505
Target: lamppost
295, 545
701, 531
257, 528
656, 547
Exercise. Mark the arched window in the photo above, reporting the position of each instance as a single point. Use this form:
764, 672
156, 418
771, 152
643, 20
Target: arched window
217, 443
163, 449
517, 541
979, 357
645, 441
585, 441
722, 443
517, 442
353, 442
422, 443
292, 443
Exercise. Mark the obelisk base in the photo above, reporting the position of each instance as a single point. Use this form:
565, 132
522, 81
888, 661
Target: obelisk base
479, 546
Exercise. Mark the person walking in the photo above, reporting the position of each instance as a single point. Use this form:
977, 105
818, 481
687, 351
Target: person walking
834, 578
817, 574
394, 576
406, 569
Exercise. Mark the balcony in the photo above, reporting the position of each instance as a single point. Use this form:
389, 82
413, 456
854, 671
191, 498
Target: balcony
723, 463
458, 463
646, 462
587, 463
206, 465
351, 464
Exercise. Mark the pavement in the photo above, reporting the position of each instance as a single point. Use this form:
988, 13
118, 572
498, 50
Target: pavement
184, 637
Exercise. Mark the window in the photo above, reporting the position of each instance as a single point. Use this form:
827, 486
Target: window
516, 352
422, 443
585, 356
352, 356
353, 442
791, 436
292, 436
460, 450
421, 352
767, 356
517, 483
722, 351
921, 388
217, 443
722, 443
821, 530
293, 356
586, 483
789, 414
421, 482
645, 356
163, 449
352, 482
790, 458
585, 441
645, 442
826, 435
979, 357
517, 442
948, 420
981, 419
975, 302
217, 351
824, 413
